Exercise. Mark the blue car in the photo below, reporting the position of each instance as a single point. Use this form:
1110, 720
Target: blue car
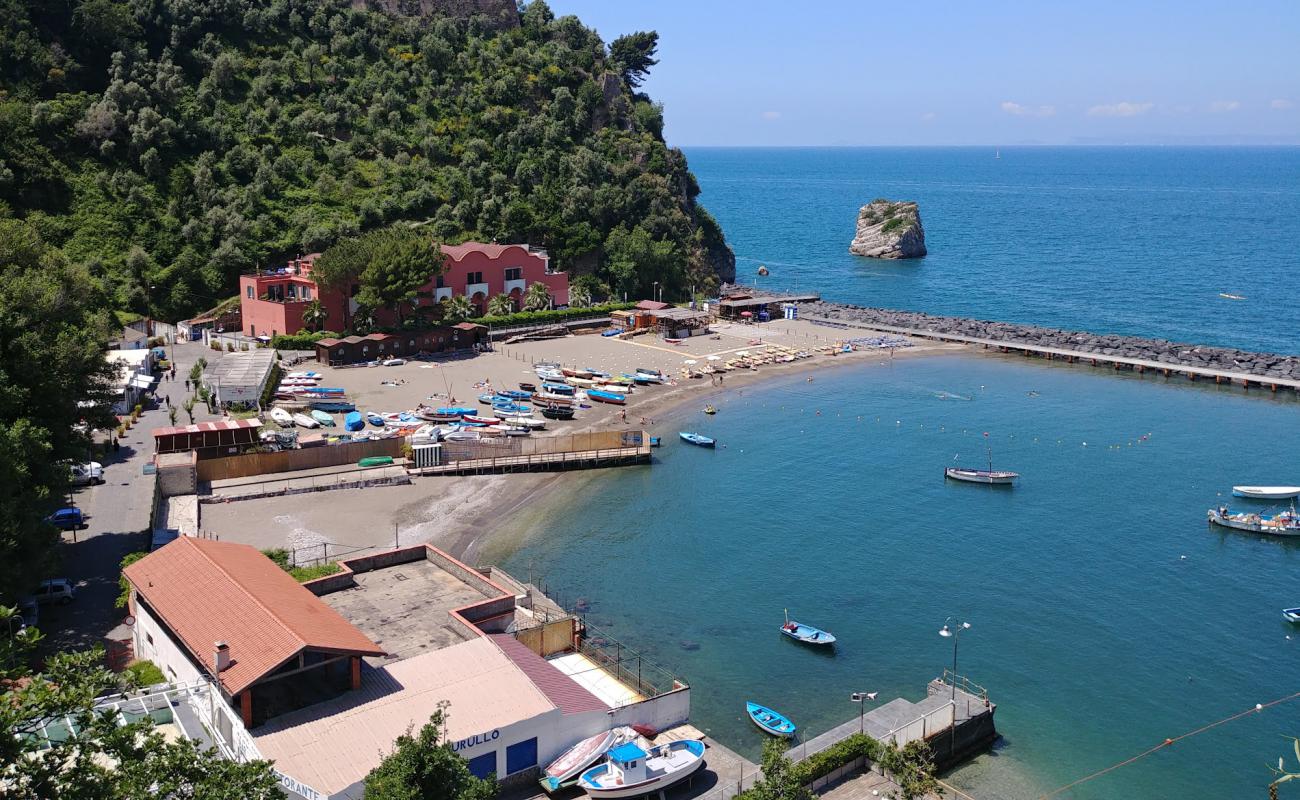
68, 519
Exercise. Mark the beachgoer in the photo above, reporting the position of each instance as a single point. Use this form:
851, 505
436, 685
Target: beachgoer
168, 399
187, 384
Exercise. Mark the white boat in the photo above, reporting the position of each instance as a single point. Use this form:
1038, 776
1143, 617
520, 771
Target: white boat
1291, 614
1266, 492
987, 476
525, 423
305, 421
564, 771
282, 418
629, 771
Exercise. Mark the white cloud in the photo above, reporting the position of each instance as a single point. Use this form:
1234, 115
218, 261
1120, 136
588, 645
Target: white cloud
1017, 110
771, 115
1124, 109
1281, 104
929, 116
1224, 106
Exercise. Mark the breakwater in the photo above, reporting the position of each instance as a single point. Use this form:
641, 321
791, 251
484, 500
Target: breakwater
1142, 354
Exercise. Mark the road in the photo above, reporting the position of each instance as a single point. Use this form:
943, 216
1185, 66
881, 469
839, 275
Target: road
118, 518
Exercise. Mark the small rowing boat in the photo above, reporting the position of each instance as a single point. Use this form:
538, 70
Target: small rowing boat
575, 373
630, 771
474, 419
564, 389
323, 418
305, 421
352, 421
710, 410
607, 397
985, 476
806, 633
769, 721
557, 412
1286, 523
374, 419
1291, 614
514, 394
281, 417
699, 440
564, 771
1266, 492
1229, 296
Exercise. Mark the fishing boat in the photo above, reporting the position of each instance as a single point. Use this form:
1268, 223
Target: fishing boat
352, 421
769, 721
607, 397
375, 461
619, 380
303, 375
653, 373
806, 633
575, 373
511, 408
557, 412
528, 387
640, 379
1266, 492
548, 399
629, 771
524, 423
323, 418
696, 439
988, 477
1291, 614
564, 771
549, 374
514, 394
487, 399
305, 421
475, 419
614, 388
374, 419
710, 410
595, 373
583, 382
1286, 523
1230, 296
281, 417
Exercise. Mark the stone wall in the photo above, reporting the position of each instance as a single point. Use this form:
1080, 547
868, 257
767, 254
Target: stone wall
1163, 351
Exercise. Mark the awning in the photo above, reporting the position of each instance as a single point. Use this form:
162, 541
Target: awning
139, 381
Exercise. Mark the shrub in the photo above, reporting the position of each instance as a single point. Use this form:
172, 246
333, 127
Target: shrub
124, 596
230, 347
280, 556
146, 673
538, 317
304, 574
302, 340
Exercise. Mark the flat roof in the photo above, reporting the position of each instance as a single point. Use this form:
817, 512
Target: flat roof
209, 427
245, 369
767, 299
403, 608
333, 745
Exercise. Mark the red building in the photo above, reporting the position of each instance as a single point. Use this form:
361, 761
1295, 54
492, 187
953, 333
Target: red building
273, 301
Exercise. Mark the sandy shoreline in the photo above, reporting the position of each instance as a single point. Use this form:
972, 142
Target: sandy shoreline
483, 519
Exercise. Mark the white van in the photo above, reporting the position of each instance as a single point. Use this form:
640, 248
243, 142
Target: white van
54, 590
88, 473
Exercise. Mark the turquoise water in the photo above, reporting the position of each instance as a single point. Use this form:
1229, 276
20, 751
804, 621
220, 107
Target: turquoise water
1105, 615
1136, 240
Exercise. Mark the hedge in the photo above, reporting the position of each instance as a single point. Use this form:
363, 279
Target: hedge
911, 766
302, 340
531, 317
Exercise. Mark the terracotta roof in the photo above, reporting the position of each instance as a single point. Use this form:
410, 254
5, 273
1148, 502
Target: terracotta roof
652, 305
566, 693
456, 252
468, 326
207, 427
328, 342
207, 591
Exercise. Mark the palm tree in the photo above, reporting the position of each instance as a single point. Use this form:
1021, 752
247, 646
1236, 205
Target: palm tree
315, 314
537, 297
188, 405
500, 306
364, 319
579, 296
457, 308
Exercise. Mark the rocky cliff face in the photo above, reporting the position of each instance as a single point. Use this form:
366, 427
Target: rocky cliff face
889, 229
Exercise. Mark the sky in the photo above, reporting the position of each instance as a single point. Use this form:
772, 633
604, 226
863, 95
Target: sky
931, 72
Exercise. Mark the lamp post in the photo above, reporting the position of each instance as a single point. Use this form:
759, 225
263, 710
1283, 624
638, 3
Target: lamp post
655, 293
952, 629
861, 698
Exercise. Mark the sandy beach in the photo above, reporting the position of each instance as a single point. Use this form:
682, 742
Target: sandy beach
483, 518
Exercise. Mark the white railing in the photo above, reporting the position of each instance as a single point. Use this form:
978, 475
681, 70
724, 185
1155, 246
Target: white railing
924, 726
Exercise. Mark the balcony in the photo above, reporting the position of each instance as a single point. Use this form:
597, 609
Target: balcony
472, 289
518, 283
441, 293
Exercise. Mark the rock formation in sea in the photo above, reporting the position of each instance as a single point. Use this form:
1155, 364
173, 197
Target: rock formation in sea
889, 229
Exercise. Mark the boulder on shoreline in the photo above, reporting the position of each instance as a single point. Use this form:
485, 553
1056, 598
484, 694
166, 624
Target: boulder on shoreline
889, 229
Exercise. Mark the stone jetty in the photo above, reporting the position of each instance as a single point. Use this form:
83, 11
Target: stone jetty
1264, 366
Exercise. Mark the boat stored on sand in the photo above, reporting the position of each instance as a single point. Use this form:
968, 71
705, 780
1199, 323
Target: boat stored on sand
281, 417
564, 771
305, 421
607, 397
352, 421
630, 771
557, 412
375, 419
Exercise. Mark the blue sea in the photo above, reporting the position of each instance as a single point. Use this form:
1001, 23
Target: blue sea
1106, 616
1132, 240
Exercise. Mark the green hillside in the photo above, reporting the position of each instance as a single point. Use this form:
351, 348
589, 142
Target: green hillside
169, 145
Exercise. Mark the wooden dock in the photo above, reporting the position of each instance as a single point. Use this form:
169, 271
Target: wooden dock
542, 462
1139, 365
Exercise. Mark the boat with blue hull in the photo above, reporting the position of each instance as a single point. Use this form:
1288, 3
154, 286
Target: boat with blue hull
699, 440
1291, 614
607, 397
352, 421
374, 419
807, 634
769, 721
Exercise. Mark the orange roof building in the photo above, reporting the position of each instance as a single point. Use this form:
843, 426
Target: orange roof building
225, 611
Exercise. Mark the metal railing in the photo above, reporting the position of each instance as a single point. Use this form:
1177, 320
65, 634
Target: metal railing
924, 726
964, 684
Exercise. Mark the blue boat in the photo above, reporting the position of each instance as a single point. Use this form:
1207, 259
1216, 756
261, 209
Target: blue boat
487, 399
558, 388
617, 398
325, 390
697, 439
595, 373
514, 394
332, 406
611, 332
510, 408
375, 419
806, 633
455, 411
769, 721
353, 422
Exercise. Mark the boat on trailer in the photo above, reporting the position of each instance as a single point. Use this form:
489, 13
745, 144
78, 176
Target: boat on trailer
629, 771
1286, 523
806, 634
564, 771
1266, 492
769, 721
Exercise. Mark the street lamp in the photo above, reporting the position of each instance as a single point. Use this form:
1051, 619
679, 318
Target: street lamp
952, 628
861, 699
655, 293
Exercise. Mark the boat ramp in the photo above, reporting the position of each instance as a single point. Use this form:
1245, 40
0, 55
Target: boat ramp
540, 454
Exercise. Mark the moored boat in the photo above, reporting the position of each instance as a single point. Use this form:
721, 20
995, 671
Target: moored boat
699, 440
1266, 492
564, 771
305, 421
806, 633
607, 397
985, 476
1286, 523
281, 417
514, 394
769, 721
1291, 614
630, 771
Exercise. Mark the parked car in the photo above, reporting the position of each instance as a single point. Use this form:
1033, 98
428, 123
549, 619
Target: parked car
68, 519
54, 590
91, 472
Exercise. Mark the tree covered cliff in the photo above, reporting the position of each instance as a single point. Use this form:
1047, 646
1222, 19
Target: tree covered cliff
169, 145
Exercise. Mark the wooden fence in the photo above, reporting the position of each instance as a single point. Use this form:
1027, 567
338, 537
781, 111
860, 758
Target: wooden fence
507, 446
244, 466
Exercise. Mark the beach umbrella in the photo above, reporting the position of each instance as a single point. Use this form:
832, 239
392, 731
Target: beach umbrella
747, 313
742, 352
690, 361
715, 358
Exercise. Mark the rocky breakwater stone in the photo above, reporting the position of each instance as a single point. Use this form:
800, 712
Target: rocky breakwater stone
1159, 351
889, 229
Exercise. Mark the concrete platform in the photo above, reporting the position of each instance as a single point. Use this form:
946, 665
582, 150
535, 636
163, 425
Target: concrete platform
589, 675
346, 476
